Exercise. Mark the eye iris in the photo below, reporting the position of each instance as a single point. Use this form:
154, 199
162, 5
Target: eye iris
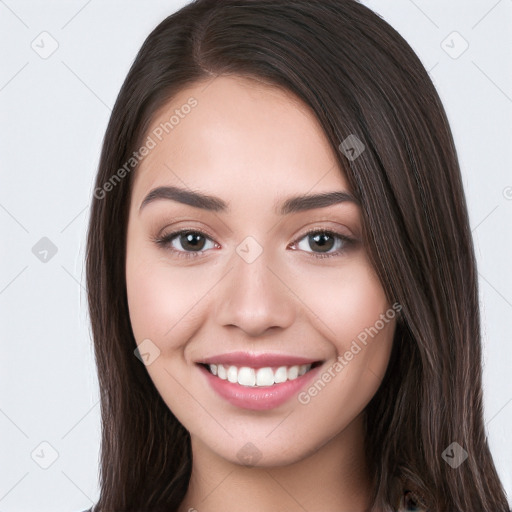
189, 241
320, 239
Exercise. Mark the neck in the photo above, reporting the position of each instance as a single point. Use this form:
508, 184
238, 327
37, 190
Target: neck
332, 478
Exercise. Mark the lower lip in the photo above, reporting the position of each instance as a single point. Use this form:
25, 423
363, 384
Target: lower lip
258, 398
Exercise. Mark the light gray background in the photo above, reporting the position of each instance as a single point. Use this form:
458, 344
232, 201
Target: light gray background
54, 112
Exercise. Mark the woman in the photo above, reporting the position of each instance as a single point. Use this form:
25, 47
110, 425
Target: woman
258, 149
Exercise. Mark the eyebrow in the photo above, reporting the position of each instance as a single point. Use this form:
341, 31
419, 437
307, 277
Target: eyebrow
216, 204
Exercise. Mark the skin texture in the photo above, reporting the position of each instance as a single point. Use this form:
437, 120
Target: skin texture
254, 145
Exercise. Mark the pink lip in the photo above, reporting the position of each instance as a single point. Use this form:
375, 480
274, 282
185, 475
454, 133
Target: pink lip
258, 398
257, 360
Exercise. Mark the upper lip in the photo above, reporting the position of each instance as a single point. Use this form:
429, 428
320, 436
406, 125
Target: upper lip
257, 360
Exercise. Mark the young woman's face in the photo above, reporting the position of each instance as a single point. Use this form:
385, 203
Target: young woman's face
246, 277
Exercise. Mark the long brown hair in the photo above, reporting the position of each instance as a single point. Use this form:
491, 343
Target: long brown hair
361, 78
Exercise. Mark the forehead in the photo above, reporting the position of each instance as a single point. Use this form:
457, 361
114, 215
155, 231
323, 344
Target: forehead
241, 138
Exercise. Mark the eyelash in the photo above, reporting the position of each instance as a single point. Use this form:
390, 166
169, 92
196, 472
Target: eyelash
165, 242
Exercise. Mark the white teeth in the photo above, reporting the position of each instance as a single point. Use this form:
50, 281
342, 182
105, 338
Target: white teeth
293, 372
233, 374
281, 374
246, 376
221, 372
265, 377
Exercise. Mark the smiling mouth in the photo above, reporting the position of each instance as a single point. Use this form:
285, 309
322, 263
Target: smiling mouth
259, 377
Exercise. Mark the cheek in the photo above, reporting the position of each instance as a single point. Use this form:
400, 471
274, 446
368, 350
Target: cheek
163, 301
345, 302
352, 312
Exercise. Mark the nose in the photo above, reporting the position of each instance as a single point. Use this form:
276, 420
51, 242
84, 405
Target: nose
255, 296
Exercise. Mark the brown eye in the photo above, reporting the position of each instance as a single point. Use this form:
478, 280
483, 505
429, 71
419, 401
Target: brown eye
185, 242
322, 243
191, 241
